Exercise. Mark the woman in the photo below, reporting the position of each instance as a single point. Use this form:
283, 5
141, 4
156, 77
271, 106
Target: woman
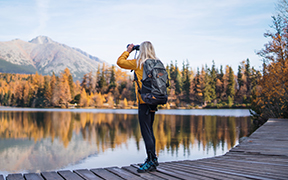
146, 112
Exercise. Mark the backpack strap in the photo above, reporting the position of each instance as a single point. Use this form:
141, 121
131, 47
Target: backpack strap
136, 79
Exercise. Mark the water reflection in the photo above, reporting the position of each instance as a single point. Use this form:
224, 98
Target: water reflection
45, 141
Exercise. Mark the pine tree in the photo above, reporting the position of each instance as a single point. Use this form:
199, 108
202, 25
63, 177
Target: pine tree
207, 87
239, 77
178, 81
102, 81
172, 72
47, 91
90, 83
112, 84
53, 85
186, 82
84, 83
248, 76
220, 84
169, 77
198, 89
98, 74
230, 91
213, 81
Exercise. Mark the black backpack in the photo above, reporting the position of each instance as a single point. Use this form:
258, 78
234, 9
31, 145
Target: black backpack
154, 82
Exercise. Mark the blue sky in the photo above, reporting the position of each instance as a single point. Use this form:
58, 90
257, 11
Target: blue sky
226, 31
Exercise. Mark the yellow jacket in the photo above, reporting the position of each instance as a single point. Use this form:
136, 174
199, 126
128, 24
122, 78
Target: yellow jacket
132, 65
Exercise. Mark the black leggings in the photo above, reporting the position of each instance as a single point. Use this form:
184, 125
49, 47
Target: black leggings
146, 119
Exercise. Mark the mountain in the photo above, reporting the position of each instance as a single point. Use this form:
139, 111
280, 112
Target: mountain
46, 56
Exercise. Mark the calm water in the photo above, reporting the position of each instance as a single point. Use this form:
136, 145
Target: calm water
37, 140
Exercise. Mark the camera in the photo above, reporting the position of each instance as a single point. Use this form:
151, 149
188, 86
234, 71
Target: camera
135, 47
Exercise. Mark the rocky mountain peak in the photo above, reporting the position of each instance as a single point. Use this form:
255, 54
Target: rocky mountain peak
41, 40
46, 56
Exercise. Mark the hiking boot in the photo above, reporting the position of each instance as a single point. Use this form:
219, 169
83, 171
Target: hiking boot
155, 161
146, 167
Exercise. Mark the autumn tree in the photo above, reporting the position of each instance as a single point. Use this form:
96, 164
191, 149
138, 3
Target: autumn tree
270, 99
71, 85
64, 87
83, 98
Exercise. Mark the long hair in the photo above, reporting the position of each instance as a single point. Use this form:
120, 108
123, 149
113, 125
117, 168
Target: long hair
146, 52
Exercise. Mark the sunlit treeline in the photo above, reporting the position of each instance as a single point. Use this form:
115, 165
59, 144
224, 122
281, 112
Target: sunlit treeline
112, 130
112, 87
38, 90
210, 86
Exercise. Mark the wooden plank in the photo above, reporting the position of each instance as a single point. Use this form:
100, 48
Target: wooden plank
51, 176
279, 136
86, 174
143, 175
123, 173
259, 158
157, 173
17, 176
182, 174
253, 162
256, 160
171, 173
268, 171
263, 152
201, 172
68, 175
272, 129
205, 173
227, 170
278, 144
260, 146
32, 176
103, 173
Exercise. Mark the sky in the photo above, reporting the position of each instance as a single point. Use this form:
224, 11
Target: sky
197, 31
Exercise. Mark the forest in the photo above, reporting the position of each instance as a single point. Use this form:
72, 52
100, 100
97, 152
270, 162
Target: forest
112, 87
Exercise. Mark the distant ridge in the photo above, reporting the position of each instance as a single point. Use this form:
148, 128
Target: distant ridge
8, 67
44, 55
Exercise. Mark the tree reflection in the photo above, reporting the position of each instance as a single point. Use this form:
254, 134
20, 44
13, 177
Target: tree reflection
108, 130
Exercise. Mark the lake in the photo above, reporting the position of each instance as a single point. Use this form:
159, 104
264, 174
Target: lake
37, 140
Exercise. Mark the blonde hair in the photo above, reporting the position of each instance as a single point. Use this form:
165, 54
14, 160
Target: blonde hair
146, 52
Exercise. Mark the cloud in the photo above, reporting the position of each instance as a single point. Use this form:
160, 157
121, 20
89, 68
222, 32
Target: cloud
188, 29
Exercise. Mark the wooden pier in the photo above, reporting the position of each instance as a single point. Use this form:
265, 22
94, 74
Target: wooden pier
264, 155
